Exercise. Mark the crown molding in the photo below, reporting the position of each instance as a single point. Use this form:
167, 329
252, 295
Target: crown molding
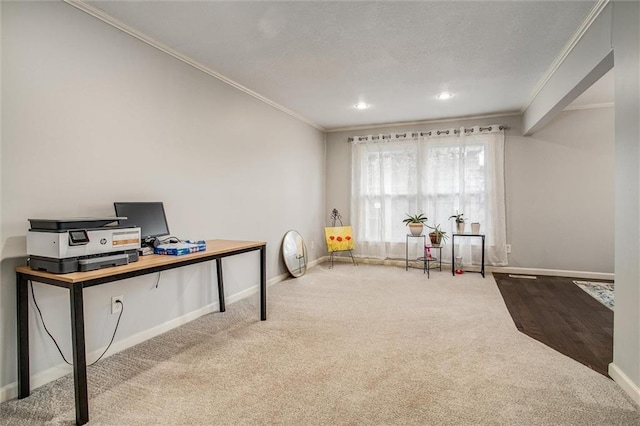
590, 106
589, 20
99, 14
415, 123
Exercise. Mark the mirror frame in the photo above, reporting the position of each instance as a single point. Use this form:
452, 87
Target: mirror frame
292, 245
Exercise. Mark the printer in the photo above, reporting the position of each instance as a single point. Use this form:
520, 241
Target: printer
61, 246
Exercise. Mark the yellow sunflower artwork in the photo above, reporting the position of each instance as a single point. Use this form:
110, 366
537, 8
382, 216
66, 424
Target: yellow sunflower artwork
339, 238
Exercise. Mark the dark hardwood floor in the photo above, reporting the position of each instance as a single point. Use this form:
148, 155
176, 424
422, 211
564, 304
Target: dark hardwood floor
556, 312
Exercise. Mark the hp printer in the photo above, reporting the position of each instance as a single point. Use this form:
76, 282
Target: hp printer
61, 246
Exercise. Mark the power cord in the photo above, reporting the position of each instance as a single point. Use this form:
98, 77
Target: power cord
33, 296
158, 280
170, 239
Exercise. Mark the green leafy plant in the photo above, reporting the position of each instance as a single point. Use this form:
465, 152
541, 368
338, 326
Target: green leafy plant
438, 233
418, 218
458, 217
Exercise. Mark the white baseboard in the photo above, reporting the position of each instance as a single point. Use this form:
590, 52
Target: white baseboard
488, 268
624, 382
10, 391
316, 262
551, 272
368, 260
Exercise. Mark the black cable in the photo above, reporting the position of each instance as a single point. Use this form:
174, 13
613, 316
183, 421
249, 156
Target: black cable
158, 280
114, 333
171, 239
33, 296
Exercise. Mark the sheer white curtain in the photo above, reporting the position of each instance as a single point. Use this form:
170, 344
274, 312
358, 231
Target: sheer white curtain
438, 173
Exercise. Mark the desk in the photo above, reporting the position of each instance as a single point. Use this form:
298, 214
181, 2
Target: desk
77, 281
453, 251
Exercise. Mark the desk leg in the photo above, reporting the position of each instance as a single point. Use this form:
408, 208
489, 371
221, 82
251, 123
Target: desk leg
22, 297
220, 285
79, 354
263, 283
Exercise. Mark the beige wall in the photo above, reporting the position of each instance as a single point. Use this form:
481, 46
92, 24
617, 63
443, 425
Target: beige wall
560, 198
625, 368
91, 116
559, 187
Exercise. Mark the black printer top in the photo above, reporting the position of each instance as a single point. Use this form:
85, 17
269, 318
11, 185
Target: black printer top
73, 223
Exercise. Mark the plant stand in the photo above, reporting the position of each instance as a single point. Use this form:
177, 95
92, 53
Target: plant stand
428, 260
453, 252
406, 250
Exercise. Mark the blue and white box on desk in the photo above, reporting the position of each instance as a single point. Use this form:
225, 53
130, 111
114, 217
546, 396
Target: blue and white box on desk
178, 249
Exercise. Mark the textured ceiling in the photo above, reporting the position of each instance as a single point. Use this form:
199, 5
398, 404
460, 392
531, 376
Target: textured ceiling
318, 58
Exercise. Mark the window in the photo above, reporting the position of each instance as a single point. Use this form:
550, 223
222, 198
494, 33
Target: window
438, 176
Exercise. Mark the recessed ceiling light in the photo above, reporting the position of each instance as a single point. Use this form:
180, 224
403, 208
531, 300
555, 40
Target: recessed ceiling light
444, 95
362, 105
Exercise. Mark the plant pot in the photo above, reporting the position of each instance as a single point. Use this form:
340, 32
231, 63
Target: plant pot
460, 227
475, 228
416, 229
435, 239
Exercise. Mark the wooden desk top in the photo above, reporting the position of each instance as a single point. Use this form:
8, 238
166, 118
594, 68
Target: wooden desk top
214, 247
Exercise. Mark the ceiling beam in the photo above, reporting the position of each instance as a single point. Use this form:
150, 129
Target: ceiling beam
588, 60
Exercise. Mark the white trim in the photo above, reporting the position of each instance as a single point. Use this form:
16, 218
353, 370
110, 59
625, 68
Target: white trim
414, 123
591, 17
317, 262
97, 13
10, 390
590, 106
488, 268
552, 272
624, 382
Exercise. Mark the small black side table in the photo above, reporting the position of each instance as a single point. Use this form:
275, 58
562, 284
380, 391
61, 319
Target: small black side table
406, 252
453, 251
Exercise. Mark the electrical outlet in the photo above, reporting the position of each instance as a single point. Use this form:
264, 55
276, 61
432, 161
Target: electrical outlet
116, 307
508, 248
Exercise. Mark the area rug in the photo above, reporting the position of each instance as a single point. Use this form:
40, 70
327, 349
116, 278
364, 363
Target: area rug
602, 292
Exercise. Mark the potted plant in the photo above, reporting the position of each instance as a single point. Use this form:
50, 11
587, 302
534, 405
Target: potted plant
437, 236
415, 223
459, 222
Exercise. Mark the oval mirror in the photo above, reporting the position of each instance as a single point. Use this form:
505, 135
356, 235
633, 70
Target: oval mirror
294, 253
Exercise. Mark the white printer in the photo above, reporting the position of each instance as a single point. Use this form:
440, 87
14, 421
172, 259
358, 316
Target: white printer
81, 244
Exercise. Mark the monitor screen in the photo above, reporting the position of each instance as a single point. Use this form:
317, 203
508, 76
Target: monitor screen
149, 216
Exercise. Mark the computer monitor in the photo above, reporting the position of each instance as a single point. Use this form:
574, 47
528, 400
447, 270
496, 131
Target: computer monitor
149, 216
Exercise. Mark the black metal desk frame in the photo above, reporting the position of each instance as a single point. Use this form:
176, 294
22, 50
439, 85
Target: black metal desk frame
77, 317
453, 252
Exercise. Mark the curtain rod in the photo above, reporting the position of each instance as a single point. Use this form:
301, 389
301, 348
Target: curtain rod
429, 133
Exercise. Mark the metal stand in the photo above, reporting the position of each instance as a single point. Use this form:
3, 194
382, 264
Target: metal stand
453, 252
429, 260
337, 217
406, 249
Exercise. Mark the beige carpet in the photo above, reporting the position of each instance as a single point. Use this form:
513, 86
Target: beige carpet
365, 345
